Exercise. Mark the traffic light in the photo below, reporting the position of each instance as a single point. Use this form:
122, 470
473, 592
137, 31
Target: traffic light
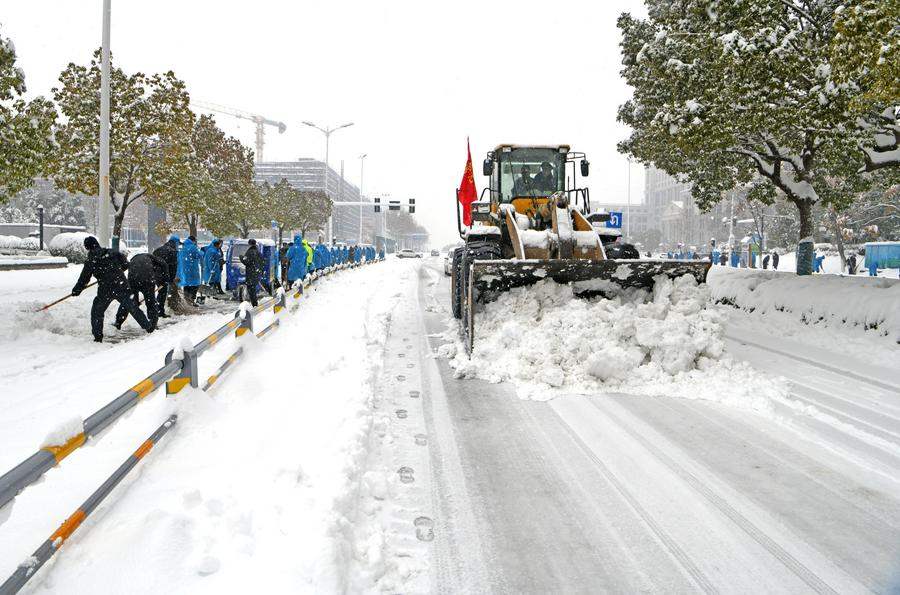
412, 206
377, 205
394, 205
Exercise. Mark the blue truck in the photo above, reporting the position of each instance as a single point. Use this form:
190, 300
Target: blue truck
234, 270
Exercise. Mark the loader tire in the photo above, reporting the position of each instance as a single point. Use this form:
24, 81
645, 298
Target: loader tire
484, 250
455, 284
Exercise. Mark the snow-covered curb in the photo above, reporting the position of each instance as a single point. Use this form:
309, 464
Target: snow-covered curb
870, 303
26, 261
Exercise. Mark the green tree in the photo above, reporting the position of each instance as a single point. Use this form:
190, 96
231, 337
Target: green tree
26, 128
866, 48
236, 204
150, 128
724, 91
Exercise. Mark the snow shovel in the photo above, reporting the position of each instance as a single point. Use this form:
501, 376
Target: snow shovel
62, 299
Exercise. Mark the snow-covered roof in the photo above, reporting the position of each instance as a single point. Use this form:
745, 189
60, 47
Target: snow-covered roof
515, 146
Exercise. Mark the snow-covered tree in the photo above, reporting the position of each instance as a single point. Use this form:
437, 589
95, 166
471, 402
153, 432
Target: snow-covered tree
724, 91
866, 48
60, 207
224, 198
150, 127
26, 128
294, 209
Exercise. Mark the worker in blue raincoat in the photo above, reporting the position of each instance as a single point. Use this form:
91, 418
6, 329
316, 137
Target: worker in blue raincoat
189, 268
212, 265
297, 257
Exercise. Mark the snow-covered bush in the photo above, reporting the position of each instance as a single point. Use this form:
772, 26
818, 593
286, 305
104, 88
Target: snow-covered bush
17, 243
70, 245
872, 304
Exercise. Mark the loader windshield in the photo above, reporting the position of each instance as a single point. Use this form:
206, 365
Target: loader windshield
531, 172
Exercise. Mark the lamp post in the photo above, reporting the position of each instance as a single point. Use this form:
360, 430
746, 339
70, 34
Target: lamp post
362, 163
103, 227
40, 211
628, 204
327, 131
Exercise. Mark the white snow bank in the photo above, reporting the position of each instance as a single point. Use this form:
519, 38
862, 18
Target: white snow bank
667, 342
63, 432
870, 303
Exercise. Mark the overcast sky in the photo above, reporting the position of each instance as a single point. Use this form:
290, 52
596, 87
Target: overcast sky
415, 77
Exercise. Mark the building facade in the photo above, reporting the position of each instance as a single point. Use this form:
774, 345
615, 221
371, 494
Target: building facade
350, 224
672, 212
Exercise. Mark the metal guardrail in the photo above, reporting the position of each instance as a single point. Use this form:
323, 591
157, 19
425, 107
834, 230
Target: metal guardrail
32, 468
46, 550
176, 373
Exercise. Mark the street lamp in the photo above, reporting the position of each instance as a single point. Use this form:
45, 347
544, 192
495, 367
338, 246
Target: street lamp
327, 131
361, 170
40, 211
103, 228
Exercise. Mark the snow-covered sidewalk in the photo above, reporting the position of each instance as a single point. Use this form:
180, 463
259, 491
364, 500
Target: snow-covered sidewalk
256, 486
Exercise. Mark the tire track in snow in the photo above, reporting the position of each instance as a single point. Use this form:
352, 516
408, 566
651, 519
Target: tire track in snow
750, 528
843, 372
690, 568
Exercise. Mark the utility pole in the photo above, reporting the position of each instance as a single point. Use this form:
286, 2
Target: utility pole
361, 170
731, 225
103, 226
628, 204
340, 195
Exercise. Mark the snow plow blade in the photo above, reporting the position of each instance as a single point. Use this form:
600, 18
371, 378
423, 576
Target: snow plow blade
488, 278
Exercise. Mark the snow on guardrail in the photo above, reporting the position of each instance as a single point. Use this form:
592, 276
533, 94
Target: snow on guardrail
870, 303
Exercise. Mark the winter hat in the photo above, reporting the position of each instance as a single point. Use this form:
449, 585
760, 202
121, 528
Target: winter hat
251, 242
174, 238
91, 242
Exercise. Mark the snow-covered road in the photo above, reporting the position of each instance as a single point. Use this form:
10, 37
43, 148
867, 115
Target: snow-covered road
624, 493
343, 455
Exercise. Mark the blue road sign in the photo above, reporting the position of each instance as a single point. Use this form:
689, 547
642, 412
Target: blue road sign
615, 220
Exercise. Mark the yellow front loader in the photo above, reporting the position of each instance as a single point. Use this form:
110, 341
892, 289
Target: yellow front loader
536, 224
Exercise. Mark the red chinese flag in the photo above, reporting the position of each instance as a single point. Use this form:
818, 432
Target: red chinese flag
467, 192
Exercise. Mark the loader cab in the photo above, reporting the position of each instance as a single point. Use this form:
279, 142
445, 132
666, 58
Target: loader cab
526, 176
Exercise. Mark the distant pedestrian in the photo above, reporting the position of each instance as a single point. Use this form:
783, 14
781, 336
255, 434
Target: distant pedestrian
253, 270
766, 262
296, 257
775, 260
284, 262
189, 269
873, 268
820, 258
212, 269
145, 273
851, 265
168, 252
109, 269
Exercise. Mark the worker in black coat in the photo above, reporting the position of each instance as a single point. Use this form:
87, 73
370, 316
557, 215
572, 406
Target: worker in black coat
253, 269
168, 252
109, 269
145, 272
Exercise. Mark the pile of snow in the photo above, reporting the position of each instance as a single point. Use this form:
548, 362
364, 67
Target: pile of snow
668, 342
17, 243
64, 432
870, 303
70, 245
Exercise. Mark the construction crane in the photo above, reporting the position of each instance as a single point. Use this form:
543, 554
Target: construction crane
260, 122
